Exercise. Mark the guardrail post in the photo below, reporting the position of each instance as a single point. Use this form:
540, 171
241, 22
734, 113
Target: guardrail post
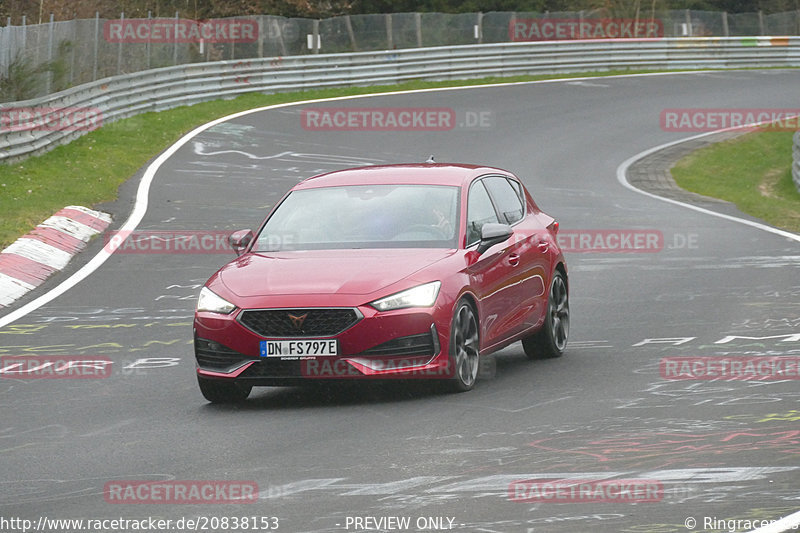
96, 43
6, 59
279, 33
72, 53
761, 22
479, 28
119, 48
49, 76
349, 25
418, 25
689, 31
315, 45
725, 30
233, 49
175, 48
389, 36
260, 36
149, 37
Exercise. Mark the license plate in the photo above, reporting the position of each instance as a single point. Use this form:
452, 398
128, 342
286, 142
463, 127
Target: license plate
294, 348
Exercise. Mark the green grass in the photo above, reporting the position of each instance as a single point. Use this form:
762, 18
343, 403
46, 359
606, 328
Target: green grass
752, 171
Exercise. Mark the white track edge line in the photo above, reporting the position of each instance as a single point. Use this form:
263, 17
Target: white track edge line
787, 523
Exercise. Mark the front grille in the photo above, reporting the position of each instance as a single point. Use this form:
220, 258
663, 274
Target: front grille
278, 323
421, 344
270, 368
212, 355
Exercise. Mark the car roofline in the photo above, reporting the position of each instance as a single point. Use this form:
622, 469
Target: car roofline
453, 174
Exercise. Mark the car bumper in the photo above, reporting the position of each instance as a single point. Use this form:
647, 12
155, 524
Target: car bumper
401, 344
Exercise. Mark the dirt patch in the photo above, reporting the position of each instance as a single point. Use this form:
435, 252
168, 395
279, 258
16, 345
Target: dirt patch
769, 183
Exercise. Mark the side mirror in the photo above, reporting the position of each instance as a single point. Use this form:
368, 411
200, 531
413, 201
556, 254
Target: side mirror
239, 240
492, 234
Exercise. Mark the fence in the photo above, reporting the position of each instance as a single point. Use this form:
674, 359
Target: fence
157, 89
38, 59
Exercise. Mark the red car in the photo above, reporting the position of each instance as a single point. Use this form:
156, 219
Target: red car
402, 271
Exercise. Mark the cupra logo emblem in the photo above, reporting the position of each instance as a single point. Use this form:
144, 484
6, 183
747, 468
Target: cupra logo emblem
297, 321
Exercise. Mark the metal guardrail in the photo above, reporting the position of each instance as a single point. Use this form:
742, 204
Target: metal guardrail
123, 96
796, 160
65, 53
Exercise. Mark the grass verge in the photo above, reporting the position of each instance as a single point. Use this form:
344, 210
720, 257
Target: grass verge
752, 171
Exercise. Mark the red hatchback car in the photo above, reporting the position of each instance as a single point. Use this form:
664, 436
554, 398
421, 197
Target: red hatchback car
402, 271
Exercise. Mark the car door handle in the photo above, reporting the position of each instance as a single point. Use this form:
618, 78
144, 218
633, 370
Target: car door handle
543, 246
513, 259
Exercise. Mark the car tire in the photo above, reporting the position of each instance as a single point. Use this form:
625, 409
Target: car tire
216, 391
551, 340
464, 347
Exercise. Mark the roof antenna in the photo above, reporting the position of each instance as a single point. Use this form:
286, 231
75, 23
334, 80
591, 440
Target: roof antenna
430, 159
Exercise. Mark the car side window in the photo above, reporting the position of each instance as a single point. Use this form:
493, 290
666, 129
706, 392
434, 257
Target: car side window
507, 198
480, 211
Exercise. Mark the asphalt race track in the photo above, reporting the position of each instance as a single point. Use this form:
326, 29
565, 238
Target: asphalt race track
325, 458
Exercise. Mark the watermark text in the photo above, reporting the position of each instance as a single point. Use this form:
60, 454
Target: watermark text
610, 240
700, 120
541, 29
730, 368
180, 31
50, 119
393, 119
586, 491
180, 492
55, 367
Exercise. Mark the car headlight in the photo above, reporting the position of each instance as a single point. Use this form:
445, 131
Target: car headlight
419, 296
208, 301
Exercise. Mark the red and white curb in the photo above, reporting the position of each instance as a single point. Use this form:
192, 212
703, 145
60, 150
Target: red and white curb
29, 260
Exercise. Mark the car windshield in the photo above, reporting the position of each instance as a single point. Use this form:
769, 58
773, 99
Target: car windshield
363, 216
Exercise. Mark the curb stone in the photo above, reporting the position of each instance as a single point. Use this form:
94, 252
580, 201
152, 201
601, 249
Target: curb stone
652, 172
31, 259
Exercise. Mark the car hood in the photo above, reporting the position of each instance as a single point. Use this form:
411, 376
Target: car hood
355, 272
